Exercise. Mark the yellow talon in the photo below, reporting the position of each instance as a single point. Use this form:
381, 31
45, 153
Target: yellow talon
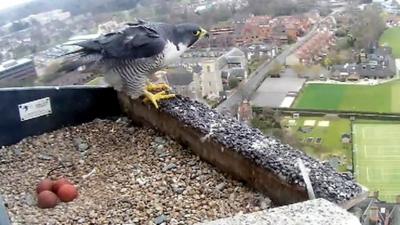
155, 87
154, 98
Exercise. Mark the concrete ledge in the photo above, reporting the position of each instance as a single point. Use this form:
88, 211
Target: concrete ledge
313, 212
244, 152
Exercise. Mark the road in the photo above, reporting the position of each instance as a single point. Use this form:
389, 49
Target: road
258, 76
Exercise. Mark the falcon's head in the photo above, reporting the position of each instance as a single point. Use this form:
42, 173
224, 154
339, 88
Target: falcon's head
188, 34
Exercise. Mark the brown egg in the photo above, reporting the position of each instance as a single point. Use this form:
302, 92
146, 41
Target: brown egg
44, 185
59, 183
67, 193
47, 199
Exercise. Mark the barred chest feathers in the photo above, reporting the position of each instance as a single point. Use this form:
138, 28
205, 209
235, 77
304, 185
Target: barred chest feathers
172, 53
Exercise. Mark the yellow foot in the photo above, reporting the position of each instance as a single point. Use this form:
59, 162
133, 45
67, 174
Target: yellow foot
154, 98
156, 87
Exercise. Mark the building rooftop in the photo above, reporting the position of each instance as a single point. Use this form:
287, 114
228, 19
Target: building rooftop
179, 77
13, 63
378, 63
273, 91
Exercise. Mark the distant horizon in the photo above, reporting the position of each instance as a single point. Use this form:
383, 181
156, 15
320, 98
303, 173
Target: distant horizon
5, 4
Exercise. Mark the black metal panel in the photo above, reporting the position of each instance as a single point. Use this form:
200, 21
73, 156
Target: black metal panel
71, 105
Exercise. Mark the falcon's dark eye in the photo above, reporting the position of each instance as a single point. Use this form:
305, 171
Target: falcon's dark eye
196, 33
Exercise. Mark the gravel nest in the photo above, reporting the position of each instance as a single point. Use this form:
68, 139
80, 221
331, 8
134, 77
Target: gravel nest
124, 174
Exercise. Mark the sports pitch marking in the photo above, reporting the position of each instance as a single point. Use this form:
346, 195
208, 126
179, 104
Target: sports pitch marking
376, 149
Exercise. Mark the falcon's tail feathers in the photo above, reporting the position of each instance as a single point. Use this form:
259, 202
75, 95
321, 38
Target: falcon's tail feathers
72, 61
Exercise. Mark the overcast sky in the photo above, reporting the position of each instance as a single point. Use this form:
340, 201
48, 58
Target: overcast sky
8, 3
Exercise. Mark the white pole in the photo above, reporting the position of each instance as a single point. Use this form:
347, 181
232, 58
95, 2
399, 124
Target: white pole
304, 173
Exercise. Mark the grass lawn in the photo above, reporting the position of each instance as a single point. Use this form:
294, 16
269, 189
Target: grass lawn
377, 159
391, 37
331, 145
377, 98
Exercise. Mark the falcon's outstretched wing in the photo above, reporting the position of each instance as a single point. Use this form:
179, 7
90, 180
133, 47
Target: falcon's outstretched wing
134, 42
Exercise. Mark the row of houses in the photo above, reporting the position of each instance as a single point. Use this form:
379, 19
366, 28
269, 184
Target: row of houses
313, 50
42, 29
259, 29
391, 6
376, 63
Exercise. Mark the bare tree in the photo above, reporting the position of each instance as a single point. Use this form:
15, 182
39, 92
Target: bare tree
276, 68
279, 7
300, 69
367, 27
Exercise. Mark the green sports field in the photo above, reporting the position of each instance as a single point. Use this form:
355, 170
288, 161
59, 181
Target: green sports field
377, 158
391, 37
377, 98
331, 144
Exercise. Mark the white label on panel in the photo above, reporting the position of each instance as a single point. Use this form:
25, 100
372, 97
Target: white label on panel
34, 109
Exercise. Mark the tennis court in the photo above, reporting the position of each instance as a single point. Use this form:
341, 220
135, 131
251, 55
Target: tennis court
377, 158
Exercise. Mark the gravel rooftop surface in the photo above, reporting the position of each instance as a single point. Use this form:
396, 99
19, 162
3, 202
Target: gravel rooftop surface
266, 152
124, 174
313, 212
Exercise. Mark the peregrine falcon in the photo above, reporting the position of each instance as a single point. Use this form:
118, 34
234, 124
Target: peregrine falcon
129, 56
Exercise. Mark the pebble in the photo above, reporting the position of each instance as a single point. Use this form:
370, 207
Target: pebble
29, 199
129, 185
220, 186
160, 140
44, 157
83, 147
169, 167
160, 219
17, 152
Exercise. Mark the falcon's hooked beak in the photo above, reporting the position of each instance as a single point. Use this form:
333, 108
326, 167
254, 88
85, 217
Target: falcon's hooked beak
203, 33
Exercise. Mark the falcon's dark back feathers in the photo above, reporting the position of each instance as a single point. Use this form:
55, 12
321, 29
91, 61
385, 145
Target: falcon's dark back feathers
133, 42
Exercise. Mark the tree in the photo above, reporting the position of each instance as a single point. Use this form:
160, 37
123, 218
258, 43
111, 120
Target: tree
300, 69
215, 15
340, 56
276, 68
292, 39
315, 70
325, 11
290, 138
327, 62
341, 33
233, 82
367, 27
76, 7
279, 7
